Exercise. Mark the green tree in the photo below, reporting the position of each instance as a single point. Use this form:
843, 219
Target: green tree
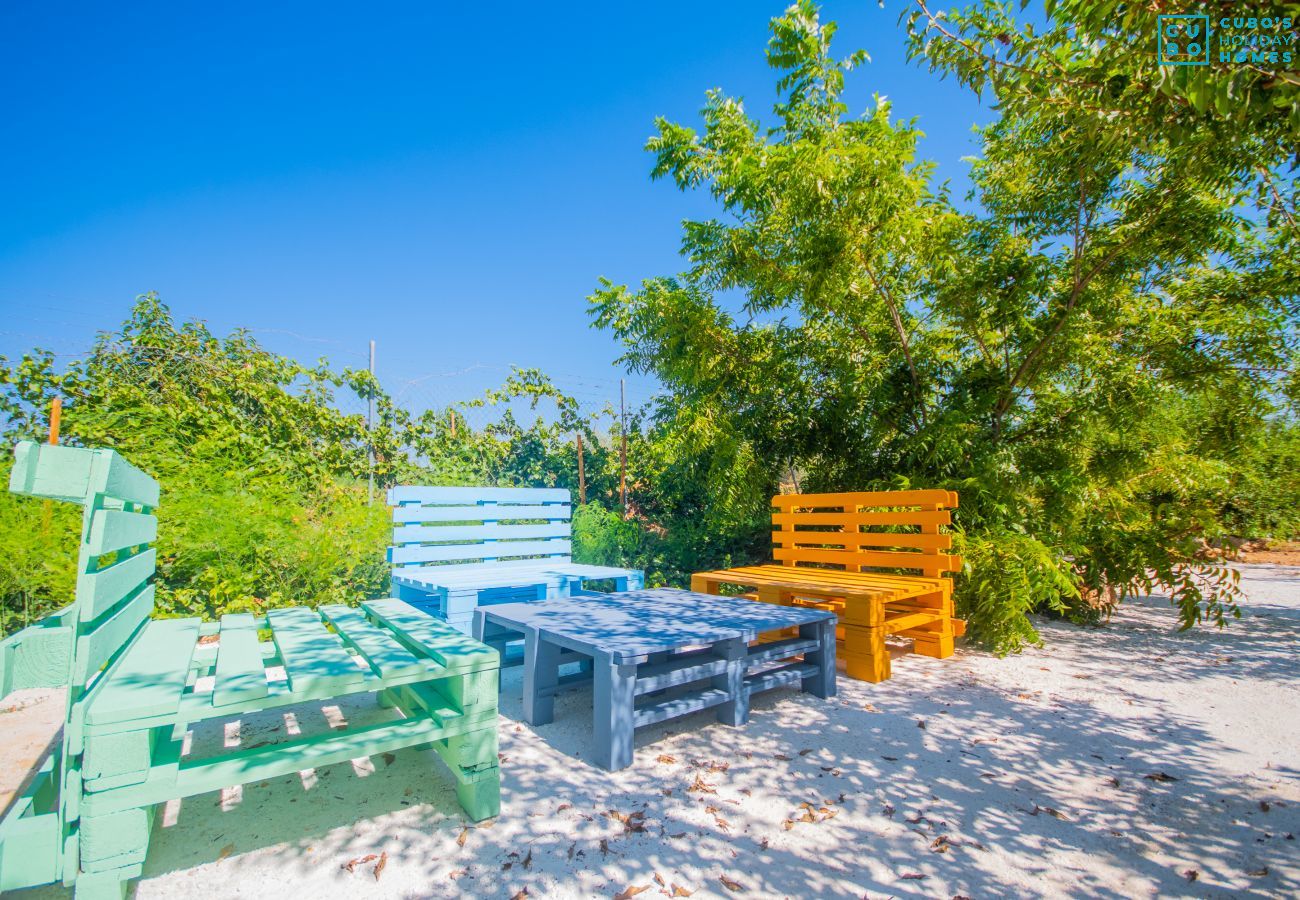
1079, 357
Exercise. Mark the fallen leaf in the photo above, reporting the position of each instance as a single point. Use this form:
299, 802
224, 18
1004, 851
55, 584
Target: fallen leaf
631, 891
913, 876
782, 757
390, 758
702, 786
352, 864
888, 811
520, 894
659, 880
890, 758
1263, 806
941, 844
571, 848
666, 759
604, 847
226, 851
731, 885
528, 860
460, 841
763, 843
1162, 778
921, 724
1191, 874
379, 866
679, 891
805, 752
1258, 873
563, 806
869, 708
456, 873
788, 824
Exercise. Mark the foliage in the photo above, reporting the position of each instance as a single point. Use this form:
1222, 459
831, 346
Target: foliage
1082, 357
264, 493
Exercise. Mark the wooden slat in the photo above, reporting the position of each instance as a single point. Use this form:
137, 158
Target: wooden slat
462, 496
314, 660
852, 539
495, 550
385, 656
150, 677
241, 671
99, 591
895, 624
98, 645
431, 637
113, 529
929, 563
808, 578
416, 534
76, 474
857, 499
853, 519
489, 512
124, 481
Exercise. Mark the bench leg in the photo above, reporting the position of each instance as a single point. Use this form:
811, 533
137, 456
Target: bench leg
823, 683
736, 710
541, 675
865, 655
101, 886
481, 797
614, 696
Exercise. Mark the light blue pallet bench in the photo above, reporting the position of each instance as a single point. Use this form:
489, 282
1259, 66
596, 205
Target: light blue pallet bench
660, 654
457, 548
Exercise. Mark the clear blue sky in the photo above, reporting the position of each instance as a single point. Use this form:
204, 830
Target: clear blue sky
448, 179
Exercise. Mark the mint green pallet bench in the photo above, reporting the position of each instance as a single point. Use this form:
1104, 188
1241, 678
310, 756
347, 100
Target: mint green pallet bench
136, 685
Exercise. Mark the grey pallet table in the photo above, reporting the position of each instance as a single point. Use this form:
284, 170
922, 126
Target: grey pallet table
658, 654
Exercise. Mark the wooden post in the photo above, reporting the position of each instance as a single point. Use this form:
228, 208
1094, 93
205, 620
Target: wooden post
622, 433
451, 417
47, 512
582, 475
56, 416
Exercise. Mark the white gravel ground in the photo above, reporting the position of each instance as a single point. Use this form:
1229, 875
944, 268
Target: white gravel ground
1129, 760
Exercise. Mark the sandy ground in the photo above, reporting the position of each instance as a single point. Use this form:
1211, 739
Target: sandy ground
1129, 760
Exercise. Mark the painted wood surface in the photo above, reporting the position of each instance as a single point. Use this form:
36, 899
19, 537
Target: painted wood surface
87, 814
660, 654
877, 559
456, 548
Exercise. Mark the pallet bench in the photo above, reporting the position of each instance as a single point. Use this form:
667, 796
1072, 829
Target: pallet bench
877, 559
456, 548
133, 689
660, 654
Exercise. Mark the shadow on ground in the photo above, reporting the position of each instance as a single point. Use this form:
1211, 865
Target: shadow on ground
1127, 760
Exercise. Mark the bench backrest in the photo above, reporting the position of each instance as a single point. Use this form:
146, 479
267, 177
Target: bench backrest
439, 526
866, 531
113, 600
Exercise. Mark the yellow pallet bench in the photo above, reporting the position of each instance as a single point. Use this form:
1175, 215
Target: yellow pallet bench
855, 553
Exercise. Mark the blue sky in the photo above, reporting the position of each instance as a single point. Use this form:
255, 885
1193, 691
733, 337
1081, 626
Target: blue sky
449, 180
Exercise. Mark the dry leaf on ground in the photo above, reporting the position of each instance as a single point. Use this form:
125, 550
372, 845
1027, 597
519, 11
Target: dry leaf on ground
351, 865
731, 885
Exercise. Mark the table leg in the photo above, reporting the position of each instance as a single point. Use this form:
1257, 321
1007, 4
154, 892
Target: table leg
736, 710
821, 684
612, 709
541, 674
